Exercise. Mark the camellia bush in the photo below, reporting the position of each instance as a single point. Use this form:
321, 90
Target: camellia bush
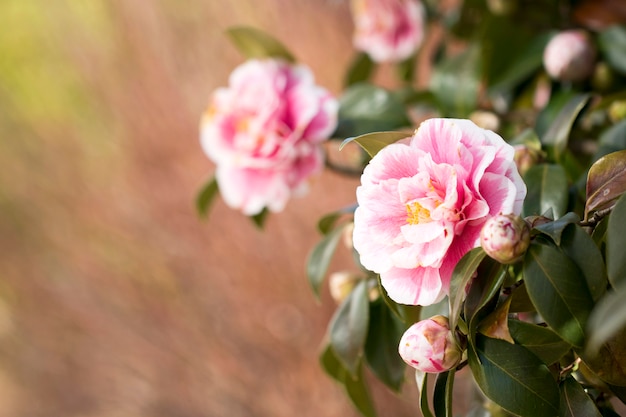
490, 223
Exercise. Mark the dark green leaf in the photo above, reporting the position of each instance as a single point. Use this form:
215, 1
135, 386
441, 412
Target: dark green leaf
514, 378
319, 259
606, 182
575, 402
548, 115
205, 197
607, 361
421, 378
612, 139
254, 43
365, 108
553, 282
381, 346
496, 324
520, 302
372, 143
461, 276
483, 294
355, 387
547, 189
360, 69
443, 395
555, 228
326, 223
259, 219
613, 46
616, 244
557, 135
541, 341
607, 319
456, 81
348, 327
408, 314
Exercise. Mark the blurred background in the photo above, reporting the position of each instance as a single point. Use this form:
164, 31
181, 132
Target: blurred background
115, 298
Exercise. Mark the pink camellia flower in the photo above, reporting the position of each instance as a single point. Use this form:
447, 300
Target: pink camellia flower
429, 346
264, 132
570, 56
505, 238
423, 202
388, 30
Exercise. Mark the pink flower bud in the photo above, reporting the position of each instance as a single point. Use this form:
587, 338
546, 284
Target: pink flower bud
341, 285
570, 56
430, 346
505, 238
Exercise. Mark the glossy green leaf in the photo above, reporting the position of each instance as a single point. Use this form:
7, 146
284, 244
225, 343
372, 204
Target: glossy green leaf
555, 228
557, 135
547, 190
606, 361
553, 284
372, 143
254, 43
612, 43
360, 69
327, 222
320, 257
611, 140
348, 327
513, 378
496, 324
575, 402
381, 346
483, 294
365, 108
421, 379
443, 394
456, 81
542, 341
206, 196
547, 116
606, 182
616, 244
520, 302
355, 386
607, 319
461, 276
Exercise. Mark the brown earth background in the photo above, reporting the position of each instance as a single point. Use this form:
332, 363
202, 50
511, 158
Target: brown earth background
115, 299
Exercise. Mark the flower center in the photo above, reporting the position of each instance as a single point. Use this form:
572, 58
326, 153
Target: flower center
416, 213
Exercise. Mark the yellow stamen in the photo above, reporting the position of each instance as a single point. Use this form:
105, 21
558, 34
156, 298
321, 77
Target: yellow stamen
416, 213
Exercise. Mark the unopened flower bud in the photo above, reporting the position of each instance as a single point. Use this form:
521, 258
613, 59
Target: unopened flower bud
617, 111
430, 346
485, 119
341, 285
603, 78
505, 238
570, 56
525, 158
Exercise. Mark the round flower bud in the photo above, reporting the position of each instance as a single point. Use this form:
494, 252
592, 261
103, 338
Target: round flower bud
525, 158
341, 285
617, 111
505, 238
485, 119
570, 56
430, 346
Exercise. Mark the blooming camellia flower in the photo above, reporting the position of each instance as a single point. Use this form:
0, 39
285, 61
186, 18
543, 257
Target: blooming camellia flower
264, 132
423, 202
570, 56
388, 30
505, 238
430, 346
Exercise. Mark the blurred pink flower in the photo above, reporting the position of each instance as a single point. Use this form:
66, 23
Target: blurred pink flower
264, 132
388, 30
423, 203
430, 346
570, 56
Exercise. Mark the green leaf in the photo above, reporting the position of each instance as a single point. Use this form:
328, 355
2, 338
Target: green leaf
553, 284
355, 386
513, 378
348, 327
381, 346
612, 43
205, 197
607, 319
607, 361
606, 182
575, 402
360, 69
443, 395
259, 219
555, 228
456, 81
483, 294
557, 135
372, 143
616, 243
421, 378
520, 302
408, 314
254, 43
406, 69
496, 324
326, 223
365, 108
547, 189
320, 257
461, 276
548, 115
611, 140
542, 341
